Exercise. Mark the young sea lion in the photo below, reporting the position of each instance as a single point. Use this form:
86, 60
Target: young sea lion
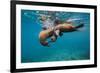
65, 27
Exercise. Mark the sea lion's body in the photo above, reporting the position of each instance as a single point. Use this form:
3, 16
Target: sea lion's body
65, 27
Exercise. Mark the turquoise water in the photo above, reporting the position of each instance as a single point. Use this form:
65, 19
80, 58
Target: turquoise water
71, 46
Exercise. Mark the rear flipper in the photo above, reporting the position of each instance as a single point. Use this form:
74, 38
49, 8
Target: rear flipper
80, 26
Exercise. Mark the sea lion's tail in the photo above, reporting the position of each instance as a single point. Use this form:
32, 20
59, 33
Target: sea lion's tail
79, 26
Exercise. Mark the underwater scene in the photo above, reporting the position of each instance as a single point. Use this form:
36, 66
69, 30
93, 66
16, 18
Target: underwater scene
49, 36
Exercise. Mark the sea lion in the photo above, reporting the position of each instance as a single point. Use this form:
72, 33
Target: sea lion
65, 27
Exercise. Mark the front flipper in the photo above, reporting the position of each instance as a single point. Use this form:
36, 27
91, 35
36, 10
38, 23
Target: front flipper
60, 34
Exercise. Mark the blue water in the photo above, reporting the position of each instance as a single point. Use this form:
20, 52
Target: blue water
71, 46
